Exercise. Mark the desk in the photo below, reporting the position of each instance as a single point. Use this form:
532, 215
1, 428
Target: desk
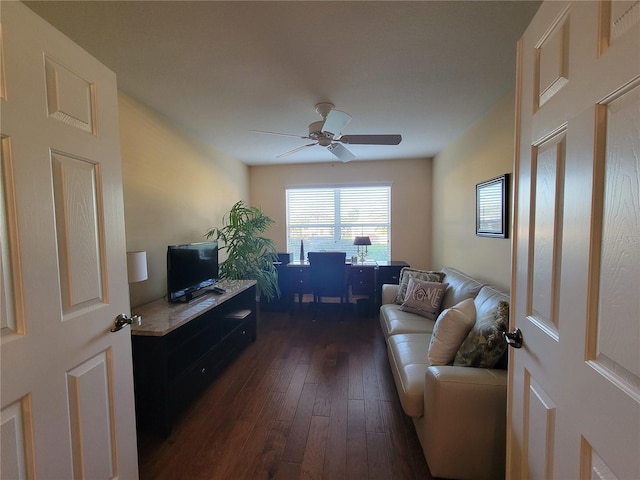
360, 277
364, 279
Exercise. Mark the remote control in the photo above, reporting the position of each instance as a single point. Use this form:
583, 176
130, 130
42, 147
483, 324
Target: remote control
219, 290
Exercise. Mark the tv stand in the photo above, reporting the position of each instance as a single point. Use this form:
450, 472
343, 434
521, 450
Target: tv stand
179, 348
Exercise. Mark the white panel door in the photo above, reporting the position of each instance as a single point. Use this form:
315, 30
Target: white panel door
574, 386
67, 384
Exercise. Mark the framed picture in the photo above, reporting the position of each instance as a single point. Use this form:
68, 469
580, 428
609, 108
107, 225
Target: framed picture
492, 207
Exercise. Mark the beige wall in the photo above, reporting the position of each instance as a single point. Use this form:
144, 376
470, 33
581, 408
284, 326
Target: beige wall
483, 152
175, 188
410, 198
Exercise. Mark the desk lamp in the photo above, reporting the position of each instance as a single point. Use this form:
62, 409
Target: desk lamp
362, 242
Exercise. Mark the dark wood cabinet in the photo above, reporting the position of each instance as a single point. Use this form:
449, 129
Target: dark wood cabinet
299, 280
179, 349
282, 302
388, 272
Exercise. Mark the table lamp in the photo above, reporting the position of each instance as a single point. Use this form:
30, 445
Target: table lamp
136, 272
362, 242
136, 266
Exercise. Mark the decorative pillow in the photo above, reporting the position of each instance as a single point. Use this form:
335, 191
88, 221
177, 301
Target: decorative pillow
485, 346
424, 298
449, 332
408, 272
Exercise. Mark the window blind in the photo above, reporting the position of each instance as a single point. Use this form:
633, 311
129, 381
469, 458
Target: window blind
329, 218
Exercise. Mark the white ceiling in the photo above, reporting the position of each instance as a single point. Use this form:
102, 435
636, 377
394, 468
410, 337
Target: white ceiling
424, 69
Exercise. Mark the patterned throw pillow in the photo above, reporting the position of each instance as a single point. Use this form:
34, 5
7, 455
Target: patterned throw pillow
449, 332
406, 273
424, 298
484, 346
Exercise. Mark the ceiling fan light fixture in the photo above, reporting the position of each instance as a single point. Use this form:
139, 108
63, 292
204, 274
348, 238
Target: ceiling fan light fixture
328, 133
324, 141
315, 129
323, 108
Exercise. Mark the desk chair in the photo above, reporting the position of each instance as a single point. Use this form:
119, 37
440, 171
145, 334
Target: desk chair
328, 276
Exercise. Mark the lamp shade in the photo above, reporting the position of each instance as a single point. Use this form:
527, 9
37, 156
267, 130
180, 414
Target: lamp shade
136, 266
362, 241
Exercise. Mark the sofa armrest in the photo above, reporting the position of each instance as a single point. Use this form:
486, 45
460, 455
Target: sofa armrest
389, 292
465, 418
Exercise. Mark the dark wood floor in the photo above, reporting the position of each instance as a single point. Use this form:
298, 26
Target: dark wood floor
306, 400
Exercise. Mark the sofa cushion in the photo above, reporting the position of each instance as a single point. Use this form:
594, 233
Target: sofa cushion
460, 288
409, 363
484, 347
487, 300
394, 321
424, 298
450, 331
389, 293
408, 272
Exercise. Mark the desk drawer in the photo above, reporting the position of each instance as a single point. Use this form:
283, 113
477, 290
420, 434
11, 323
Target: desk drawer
363, 280
389, 275
299, 279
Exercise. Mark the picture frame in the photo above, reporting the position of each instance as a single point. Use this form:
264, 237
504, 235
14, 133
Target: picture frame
492, 207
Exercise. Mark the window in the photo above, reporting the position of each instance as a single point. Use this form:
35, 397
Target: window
492, 208
329, 218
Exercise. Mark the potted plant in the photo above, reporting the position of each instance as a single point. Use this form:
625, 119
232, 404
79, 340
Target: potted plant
249, 255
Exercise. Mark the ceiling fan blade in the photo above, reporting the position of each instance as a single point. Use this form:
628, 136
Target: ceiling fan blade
286, 154
335, 122
370, 139
341, 152
279, 134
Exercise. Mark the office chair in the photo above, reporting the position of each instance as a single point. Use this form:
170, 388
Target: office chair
328, 276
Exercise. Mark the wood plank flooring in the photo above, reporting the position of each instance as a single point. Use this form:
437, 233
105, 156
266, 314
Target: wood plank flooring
307, 400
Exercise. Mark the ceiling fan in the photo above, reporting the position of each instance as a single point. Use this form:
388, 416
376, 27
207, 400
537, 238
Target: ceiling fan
328, 133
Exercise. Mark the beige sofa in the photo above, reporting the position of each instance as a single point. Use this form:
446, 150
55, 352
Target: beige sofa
459, 412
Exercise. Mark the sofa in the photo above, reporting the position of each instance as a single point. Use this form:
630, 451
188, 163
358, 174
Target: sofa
458, 408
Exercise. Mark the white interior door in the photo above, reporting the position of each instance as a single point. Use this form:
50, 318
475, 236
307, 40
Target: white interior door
574, 386
67, 384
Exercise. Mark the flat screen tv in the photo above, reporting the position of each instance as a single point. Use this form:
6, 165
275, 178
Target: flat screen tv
191, 268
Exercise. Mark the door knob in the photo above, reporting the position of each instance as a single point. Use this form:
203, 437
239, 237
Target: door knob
513, 339
120, 322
